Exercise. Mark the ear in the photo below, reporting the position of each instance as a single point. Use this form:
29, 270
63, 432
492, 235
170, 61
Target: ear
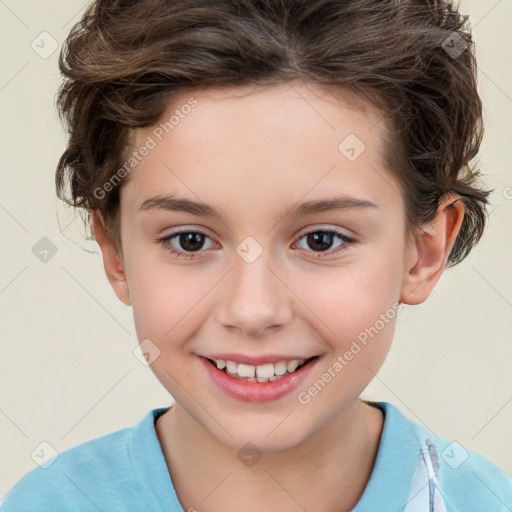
112, 261
428, 253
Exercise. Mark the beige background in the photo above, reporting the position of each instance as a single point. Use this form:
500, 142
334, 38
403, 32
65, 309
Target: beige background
68, 373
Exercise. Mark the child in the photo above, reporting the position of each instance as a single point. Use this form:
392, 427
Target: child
318, 154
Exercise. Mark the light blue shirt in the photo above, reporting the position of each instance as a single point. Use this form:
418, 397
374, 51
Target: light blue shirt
415, 471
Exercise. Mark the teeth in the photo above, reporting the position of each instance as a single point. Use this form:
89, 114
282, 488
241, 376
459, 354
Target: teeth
268, 372
265, 370
292, 365
231, 367
280, 368
246, 370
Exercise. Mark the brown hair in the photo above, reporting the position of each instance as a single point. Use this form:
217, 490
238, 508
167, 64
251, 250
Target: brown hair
125, 60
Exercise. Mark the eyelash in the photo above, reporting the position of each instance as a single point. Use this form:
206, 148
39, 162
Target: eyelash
347, 241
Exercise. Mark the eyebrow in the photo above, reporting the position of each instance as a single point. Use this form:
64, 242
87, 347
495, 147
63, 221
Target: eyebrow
176, 204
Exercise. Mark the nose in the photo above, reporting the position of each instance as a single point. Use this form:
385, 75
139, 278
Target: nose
255, 298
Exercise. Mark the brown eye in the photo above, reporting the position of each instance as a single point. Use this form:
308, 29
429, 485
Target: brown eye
186, 244
189, 244
322, 240
192, 241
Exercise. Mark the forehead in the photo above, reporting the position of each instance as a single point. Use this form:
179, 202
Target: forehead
292, 139
326, 109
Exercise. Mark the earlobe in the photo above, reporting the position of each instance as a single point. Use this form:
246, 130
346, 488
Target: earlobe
112, 260
427, 255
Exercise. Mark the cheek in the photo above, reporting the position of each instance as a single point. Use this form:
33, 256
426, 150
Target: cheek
349, 299
342, 302
354, 309
355, 312
164, 299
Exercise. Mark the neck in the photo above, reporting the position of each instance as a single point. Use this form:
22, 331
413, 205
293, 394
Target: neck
208, 475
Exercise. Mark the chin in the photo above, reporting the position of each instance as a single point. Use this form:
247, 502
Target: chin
267, 435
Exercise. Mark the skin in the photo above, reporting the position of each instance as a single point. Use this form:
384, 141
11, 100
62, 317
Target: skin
253, 152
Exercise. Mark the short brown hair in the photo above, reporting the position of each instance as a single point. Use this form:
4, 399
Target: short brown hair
125, 60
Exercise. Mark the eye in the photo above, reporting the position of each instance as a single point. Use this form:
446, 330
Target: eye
322, 239
190, 241
193, 241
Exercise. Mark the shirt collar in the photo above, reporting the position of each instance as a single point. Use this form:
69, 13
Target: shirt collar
148, 461
391, 478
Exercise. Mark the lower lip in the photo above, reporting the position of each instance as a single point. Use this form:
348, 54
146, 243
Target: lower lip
257, 391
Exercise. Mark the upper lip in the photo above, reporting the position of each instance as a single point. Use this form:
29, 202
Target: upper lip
256, 360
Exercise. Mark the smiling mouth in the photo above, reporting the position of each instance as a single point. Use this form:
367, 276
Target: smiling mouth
262, 373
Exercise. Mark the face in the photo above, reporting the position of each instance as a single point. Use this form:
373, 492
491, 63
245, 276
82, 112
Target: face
271, 279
